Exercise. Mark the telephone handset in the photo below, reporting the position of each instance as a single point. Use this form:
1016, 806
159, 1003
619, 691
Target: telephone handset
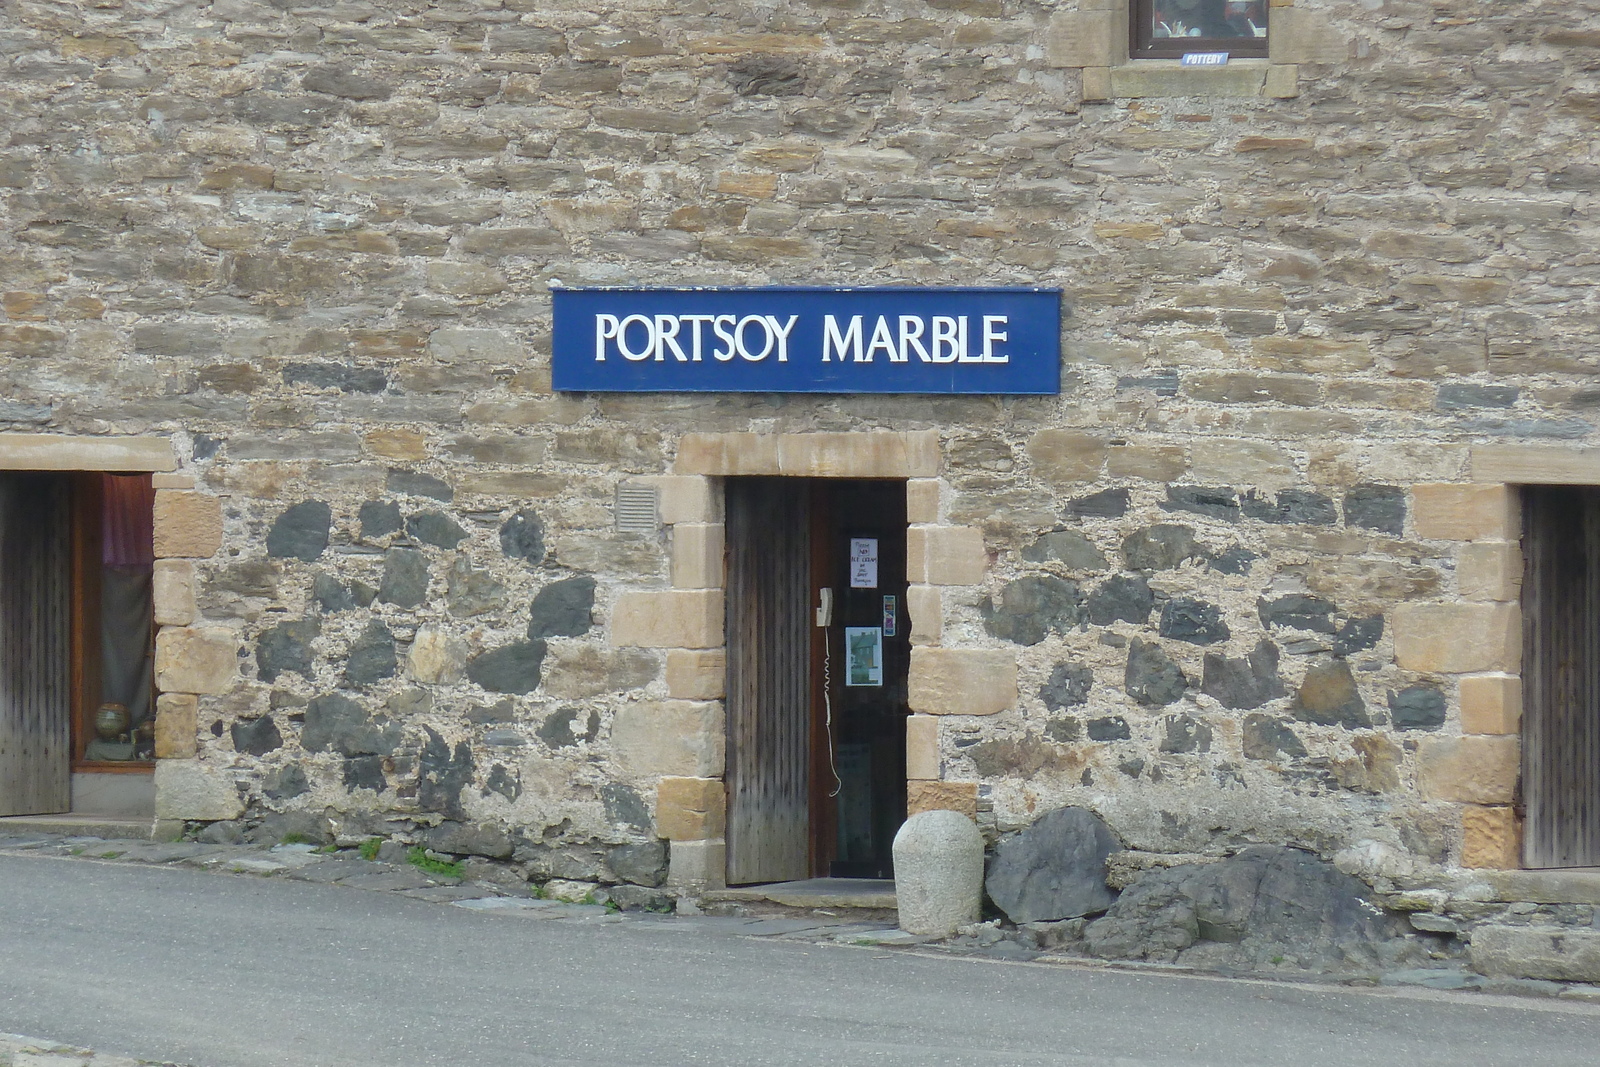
824, 607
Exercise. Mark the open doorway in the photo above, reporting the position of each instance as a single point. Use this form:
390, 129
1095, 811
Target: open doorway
818, 659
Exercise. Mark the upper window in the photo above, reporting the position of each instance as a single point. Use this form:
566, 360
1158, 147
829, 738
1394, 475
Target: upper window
1167, 29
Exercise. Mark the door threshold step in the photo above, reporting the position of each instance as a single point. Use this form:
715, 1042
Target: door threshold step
856, 897
111, 827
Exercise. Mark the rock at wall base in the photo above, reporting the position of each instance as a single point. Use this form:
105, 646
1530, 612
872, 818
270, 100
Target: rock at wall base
1558, 953
1055, 869
938, 873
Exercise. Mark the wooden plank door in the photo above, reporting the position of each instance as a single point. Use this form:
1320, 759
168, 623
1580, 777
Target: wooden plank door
769, 690
1561, 677
35, 645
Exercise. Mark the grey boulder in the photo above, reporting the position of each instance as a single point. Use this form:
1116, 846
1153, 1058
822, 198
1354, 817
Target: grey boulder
1055, 869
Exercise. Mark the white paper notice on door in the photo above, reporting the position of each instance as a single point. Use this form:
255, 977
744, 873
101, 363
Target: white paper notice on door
863, 563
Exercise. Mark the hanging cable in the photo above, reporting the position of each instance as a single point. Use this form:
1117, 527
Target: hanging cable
827, 704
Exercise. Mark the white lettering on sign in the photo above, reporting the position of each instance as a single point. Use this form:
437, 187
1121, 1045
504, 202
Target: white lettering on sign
654, 337
755, 338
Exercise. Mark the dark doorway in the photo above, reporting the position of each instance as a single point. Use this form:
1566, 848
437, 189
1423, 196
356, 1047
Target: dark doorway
1561, 677
818, 657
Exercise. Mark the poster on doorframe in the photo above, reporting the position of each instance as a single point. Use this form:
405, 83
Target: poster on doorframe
864, 655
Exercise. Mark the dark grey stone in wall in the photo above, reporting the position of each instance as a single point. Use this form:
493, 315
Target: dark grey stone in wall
1068, 547
284, 109
625, 805
642, 863
301, 532
1376, 507
435, 528
1185, 734
1243, 683
1298, 611
338, 376
1235, 560
1293, 506
1194, 621
1358, 635
1457, 396
340, 79
1215, 502
405, 577
332, 595
1417, 707
442, 773
365, 772
1267, 738
335, 723
379, 518
256, 737
470, 839
562, 609
1106, 504
1031, 608
1110, 728
504, 782
415, 483
1329, 697
1150, 677
372, 656
513, 668
286, 647
1122, 597
556, 730
1068, 686
522, 537
286, 783
1160, 547
1064, 730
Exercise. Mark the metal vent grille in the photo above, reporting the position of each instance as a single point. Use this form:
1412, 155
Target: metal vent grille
636, 509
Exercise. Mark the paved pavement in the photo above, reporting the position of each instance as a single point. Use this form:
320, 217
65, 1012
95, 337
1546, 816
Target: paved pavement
170, 963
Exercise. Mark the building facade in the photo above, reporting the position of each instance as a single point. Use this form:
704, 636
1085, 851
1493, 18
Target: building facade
1255, 575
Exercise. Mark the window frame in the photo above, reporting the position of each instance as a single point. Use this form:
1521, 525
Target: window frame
1141, 14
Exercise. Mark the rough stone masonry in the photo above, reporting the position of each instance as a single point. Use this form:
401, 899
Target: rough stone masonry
1252, 578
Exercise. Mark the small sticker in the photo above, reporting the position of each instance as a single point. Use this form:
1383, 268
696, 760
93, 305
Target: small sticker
863, 563
1204, 59
888, 616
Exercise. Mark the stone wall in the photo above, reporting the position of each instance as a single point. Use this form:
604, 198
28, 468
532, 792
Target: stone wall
1229, 571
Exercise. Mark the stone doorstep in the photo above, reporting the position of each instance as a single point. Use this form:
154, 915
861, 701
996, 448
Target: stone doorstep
1569, 885
109, 827
813, 893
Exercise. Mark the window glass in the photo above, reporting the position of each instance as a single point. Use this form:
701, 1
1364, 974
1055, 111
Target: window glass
1208, 18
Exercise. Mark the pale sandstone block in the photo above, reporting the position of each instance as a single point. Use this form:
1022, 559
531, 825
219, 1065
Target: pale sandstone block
697, 674
922, 747
1083, 38
436, 658
962, 681
945, 555
60, 452
1283, 81
1300, 35
408, 445
1491, 704
188, 524
690, 809
1489, 570
724, 454
942, 796
1536, 465
195, 660
1067, 457
1458, 638
172, 481
677, 618
1096, 83
671, 737
697, 556
176, 725
1469, 770
922, 500
698, 864
878, 454
186, 789
1254, 463
1466, 512
1490, 837
925, 606
172, 592
686, 498
1157, 463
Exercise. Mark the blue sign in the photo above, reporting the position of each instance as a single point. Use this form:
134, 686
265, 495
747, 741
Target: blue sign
807, 340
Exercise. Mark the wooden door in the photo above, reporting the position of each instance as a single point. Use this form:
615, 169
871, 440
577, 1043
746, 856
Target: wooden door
769, 626
35, 645
1561, 677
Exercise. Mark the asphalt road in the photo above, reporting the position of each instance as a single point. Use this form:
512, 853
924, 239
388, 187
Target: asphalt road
226, 971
